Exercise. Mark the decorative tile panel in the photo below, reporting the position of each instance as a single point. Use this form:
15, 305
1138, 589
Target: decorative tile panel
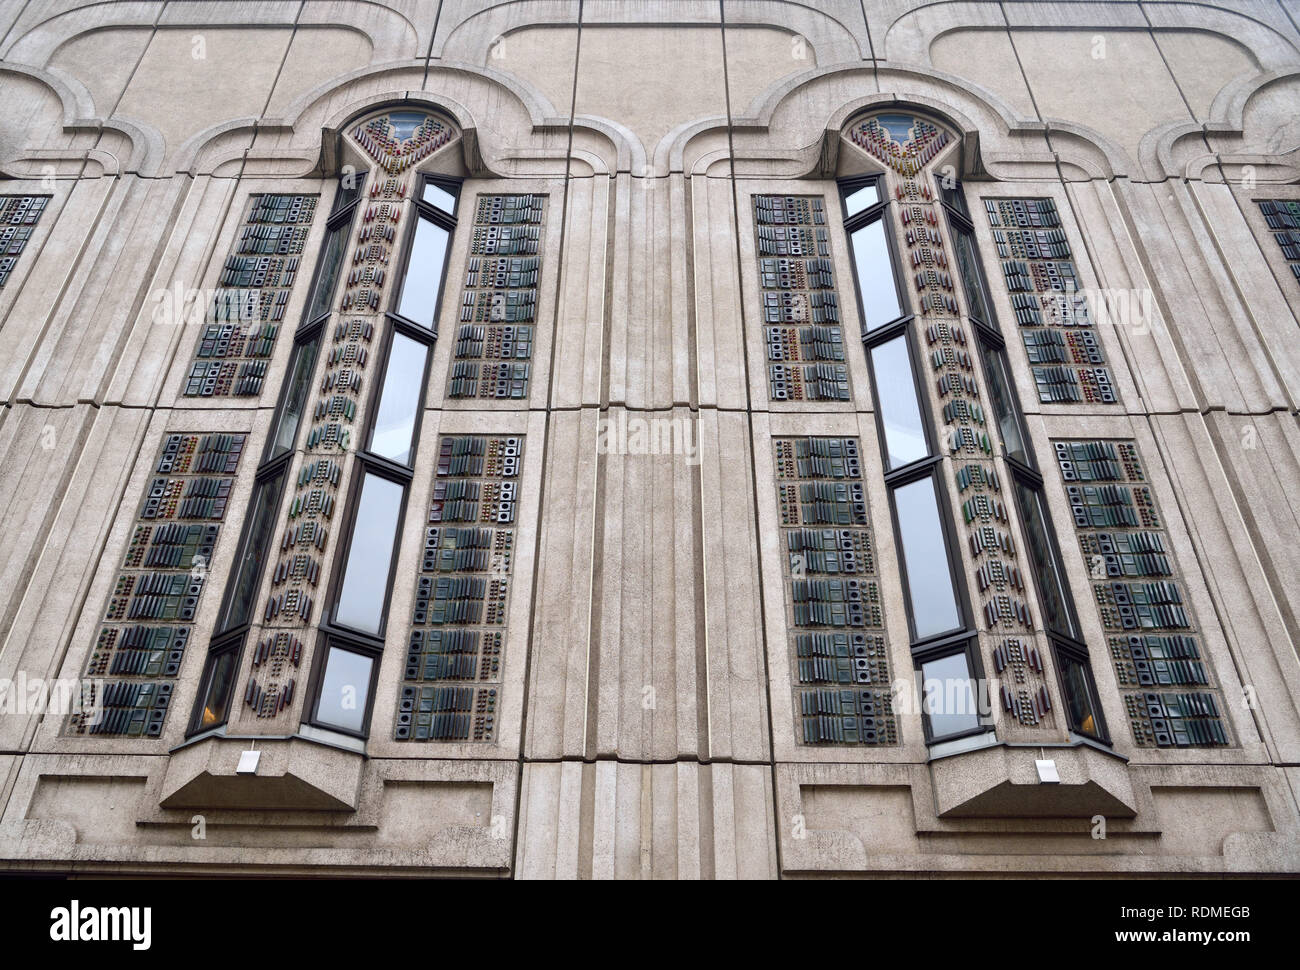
903, 142
458, 625
801, 310
248, 308
838, 648
1065, 353
1166, 680
151, 611
498, 310
1283, 218
19, 215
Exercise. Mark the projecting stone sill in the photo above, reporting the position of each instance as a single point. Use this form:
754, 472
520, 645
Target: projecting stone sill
1002, 781
292, 774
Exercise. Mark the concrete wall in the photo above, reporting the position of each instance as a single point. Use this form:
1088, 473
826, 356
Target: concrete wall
1154, 126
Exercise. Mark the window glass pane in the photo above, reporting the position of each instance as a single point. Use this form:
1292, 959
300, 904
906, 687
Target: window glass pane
365, 576
399, 400
1077, 680
875, 271
1051, 581
424, 274
948, 699
925, 556
350, 187
344, 690
217, 690
863, 198
248, 567
899, 410
322, 298
1004, 404
439, 197
971, 282
954, 196
287, 422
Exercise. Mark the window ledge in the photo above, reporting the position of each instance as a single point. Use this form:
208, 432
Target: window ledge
1002, 781
295, 774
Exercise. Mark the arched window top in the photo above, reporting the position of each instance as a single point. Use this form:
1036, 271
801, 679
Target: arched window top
400, 138
904, 141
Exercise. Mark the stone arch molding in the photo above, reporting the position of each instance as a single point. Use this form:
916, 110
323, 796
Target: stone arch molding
910, 37
128, 145
392, 35
795, 130
299, 142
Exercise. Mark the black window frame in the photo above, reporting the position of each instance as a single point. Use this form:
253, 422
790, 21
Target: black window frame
965, 643
881, 212
342, 218
901, 328
931, 469
230, 645
1078, 653
421, 336
328, 640
430, 212
365, 467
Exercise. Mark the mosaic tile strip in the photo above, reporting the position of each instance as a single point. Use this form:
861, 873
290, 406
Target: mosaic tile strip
801, 309
999, 585
400, 140
253, 292
908, 144
1065, 353
903, 142
838, 648
150, 613
1166, 680
458, 625
19, 215
498, 309
1283, 218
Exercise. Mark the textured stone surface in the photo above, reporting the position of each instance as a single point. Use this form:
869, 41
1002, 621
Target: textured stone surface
646, 726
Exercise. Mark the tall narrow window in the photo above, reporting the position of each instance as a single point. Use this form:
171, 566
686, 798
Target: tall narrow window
425, 269
948, 697
877, 286
247, 571
1002, 398
896, 397
363, 594
399, 400
255, 545
927, 564
284, 433
944, 657
343, 699
358, 612
1043, 554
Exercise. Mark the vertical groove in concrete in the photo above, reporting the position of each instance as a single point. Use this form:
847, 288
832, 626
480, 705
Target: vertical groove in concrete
749, 423
546, 437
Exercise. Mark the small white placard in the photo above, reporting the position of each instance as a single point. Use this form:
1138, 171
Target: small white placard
248, 762
1046, 772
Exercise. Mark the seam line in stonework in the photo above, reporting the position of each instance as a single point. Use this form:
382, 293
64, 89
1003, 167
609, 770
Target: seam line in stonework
521, 759
766, 693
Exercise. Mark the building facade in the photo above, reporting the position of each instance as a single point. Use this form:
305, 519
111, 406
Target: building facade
682, 439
